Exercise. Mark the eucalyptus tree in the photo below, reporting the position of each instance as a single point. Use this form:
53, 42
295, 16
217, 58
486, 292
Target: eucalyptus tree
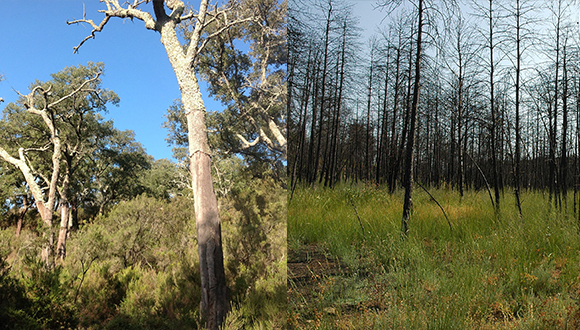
78, 130
251, 84
209, 22
112, 172
41, 129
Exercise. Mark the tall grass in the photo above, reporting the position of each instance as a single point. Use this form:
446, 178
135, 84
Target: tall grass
493, 271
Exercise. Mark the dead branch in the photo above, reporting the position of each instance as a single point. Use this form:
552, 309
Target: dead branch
441, 207
114, 9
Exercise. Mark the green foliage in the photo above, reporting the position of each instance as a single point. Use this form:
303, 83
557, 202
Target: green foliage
112, 173
140, 267
144, 231
161, 181
15, 307
137, 266
100, 164
162, 300
176, 124
48, 295
254, 236
250, 84
489, 272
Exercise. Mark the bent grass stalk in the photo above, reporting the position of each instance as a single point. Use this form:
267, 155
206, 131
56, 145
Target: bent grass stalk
517, 273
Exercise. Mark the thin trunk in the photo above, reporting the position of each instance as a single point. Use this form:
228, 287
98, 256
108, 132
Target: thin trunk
393, 156
460, 120
494, 134
304, 114
25, 207
333, 164
405, 131
323, 93
408, 199
381, 153
564, 150
517, 169
64, 210
63, 231
311, 169
368, 132
553, 177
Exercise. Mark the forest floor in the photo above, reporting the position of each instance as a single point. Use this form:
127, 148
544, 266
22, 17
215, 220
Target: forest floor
489, 272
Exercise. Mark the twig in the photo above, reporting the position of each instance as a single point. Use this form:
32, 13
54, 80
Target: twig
356, 212
484, 179
441, 207
293, 181
83, 276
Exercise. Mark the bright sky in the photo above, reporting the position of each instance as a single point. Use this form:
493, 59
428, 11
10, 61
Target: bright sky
369, 17
36, 41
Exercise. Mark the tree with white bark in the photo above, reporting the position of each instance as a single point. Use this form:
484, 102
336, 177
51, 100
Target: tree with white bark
209, 22
45, 131
252, 84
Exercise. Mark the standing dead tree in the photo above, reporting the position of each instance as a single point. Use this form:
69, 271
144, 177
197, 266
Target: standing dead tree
184, 60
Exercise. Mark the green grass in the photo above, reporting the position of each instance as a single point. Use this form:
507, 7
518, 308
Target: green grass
491, 272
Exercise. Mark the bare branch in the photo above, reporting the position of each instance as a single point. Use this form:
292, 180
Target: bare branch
29, 177
187, 16
221, 30
96, 28
45, 148
77, 90
114, 9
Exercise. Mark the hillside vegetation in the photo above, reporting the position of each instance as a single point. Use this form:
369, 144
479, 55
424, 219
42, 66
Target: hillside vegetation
136, 267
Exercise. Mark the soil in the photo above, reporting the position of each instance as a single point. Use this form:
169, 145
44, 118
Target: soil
312, 262
311, 269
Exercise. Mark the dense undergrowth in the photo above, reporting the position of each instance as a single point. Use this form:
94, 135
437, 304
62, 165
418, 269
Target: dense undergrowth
137, 267
491, 272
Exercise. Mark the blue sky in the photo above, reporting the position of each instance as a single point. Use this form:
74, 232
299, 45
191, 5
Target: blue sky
36, 41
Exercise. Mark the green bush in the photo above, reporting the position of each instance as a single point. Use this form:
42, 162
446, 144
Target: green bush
254, 237
15, 308
50, 300
137, 267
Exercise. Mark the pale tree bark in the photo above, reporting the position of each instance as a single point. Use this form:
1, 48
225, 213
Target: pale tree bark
44, 197
272, 133
184, 60
64, 211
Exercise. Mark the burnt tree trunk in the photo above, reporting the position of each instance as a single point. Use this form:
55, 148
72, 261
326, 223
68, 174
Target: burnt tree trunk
408, 178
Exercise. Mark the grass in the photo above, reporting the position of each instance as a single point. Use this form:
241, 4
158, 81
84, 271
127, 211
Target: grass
491, 272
